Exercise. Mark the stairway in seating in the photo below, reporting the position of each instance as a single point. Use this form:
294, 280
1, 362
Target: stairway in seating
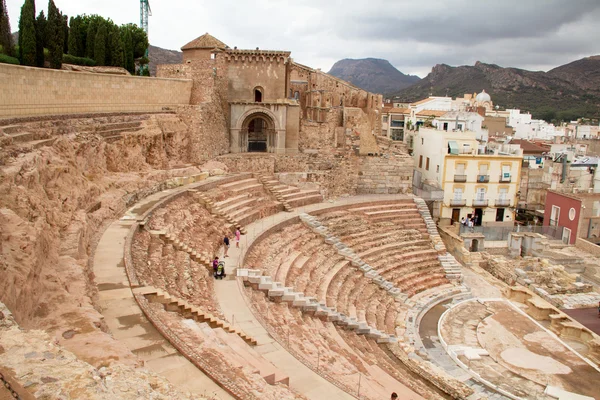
277, 292
449, 263
201, 258
212, 207
289, 196
171, 303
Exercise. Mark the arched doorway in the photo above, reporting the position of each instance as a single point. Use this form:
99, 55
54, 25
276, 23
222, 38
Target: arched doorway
258, 134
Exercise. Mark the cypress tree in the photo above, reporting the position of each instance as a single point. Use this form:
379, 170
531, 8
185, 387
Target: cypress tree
65, 27
55, 35
74, 37
117, 48
5, 35
41, 28
91, 38
82, 25
100, 45
129, 60
27, 36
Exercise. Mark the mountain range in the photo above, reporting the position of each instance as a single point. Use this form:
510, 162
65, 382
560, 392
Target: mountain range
372, 74
563, 93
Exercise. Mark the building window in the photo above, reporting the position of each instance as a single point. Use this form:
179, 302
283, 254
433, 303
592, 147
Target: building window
258, 95
397, 124
422, 141
420, 161
458, 192
437, 169
384, 132
427, 164
385, 119
397, 134
480, 196
499, 214
459, 127
554, 216
566, 237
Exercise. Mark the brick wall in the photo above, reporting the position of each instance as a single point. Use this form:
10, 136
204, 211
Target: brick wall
28, 91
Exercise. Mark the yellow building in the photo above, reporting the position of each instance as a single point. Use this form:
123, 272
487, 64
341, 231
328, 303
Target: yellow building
474, 182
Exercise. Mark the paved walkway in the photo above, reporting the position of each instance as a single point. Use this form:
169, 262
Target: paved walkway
126, 321
234, 306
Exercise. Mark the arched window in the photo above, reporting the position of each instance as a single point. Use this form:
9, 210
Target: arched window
258, 95
297, 95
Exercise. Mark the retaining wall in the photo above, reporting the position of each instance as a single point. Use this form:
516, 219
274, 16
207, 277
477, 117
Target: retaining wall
29, 91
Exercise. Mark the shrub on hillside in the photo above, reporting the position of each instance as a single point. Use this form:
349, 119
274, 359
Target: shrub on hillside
69, 59
8, 59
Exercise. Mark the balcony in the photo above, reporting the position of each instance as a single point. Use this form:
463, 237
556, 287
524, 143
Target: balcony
483, 178
505, 179
502, 202
458, 203
460, 178
480, 203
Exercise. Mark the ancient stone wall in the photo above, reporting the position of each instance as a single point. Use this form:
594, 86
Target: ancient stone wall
28, 91
55, 200
455, 245
588, 247
389, 174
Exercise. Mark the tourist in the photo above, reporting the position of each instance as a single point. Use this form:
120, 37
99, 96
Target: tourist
463, 221
394, 396
215, 266
237, 238
226, 245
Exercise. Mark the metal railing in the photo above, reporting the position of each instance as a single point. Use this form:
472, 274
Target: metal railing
460, 178
504, 179
483, 178
480, 202
458, 203
501, 233
502, 202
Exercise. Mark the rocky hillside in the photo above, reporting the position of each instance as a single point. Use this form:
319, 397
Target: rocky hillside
372, 74
565, 92
159, 55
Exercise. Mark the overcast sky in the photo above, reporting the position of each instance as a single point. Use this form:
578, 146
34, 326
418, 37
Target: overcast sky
412, 35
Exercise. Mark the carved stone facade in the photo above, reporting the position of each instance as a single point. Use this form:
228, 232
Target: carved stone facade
268, 98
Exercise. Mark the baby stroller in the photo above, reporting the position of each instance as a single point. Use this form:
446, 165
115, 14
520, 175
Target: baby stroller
219, 273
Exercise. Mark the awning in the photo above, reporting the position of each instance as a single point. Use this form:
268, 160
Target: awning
452, 147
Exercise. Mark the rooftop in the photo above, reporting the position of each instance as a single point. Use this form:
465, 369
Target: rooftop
205, 41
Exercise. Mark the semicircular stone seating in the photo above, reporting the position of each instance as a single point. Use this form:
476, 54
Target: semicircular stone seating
300, 259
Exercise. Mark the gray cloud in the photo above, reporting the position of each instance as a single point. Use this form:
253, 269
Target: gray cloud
413, 36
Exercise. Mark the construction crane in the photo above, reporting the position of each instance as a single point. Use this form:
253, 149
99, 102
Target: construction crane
145, 12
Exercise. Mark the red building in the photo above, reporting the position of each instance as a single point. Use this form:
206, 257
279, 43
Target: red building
563, 209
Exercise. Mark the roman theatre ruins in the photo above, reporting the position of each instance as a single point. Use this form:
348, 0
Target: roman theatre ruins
117, 191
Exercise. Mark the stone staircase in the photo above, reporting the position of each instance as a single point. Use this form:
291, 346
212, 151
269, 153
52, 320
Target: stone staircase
218, 210
290, 196
171, 303
113, 131
449, 263
277, 292
269, 185
201, 258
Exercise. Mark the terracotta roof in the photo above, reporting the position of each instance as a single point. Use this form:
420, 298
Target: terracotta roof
431, 113
421, 102
395, 110
205, 41
529, 147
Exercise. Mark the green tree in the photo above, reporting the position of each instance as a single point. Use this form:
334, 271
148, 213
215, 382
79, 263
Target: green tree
5, 34
91, 38
117, 48
129, 59
27, 36
41, 35
100, 45
139, 40
73, 41
65, 28
55, 35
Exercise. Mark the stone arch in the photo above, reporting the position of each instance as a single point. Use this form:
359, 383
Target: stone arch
258, 130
